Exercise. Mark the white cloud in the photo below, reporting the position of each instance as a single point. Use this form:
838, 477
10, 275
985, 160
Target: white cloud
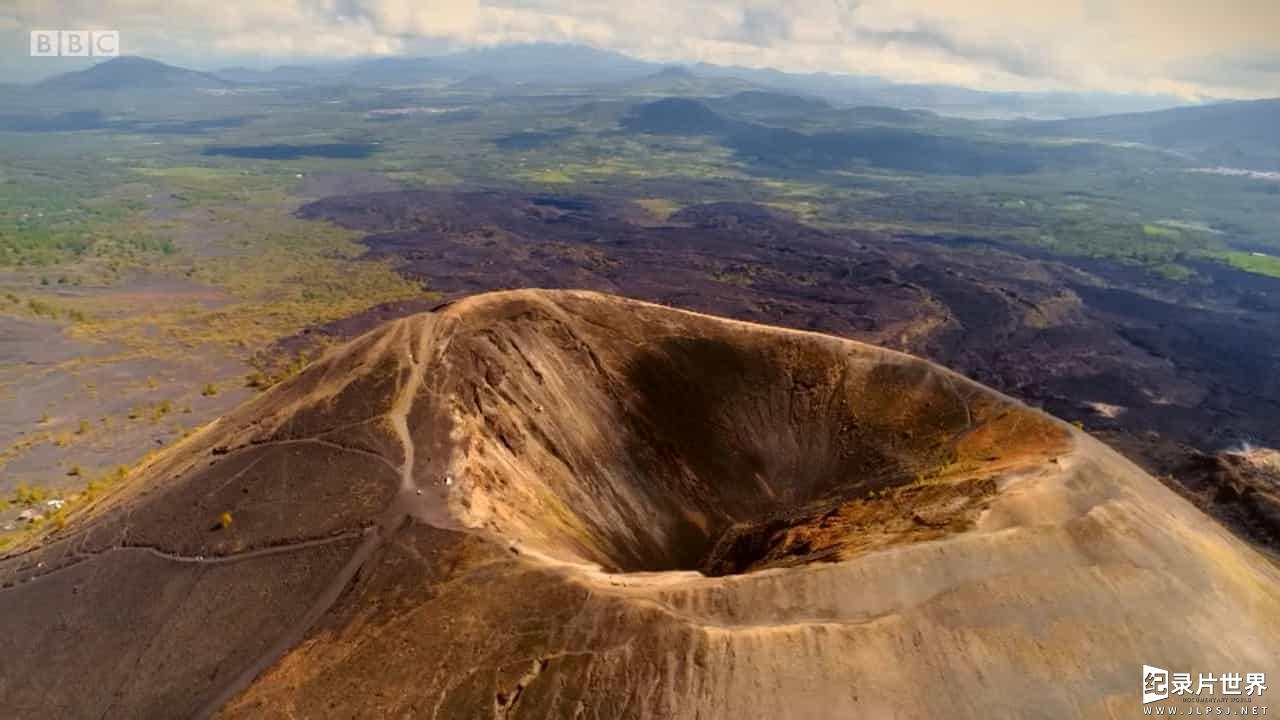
1119, 45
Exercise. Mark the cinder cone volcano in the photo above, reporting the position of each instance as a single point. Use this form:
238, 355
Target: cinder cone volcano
568, 505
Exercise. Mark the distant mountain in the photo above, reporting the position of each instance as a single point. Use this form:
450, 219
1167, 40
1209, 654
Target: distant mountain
680, 81
570, 64
280, 74
133, 73
399, 71
902, 149
606, 112
1239, 134
870, 145
565, 65
867, 90
765, 103
549, 63
675, 72
366, 71
879, 115
676, 116
479, 83
495, 67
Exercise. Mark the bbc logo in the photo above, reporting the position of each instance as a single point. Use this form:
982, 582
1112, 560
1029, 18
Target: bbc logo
75, 43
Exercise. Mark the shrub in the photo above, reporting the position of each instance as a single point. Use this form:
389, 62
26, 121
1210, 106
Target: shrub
29, 495
160, 409
95, 488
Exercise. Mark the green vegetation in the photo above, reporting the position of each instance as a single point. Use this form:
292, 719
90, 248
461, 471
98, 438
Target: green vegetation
1108, 201
1261, 264
279, 273
53, 215
153, 412
56, 517
1160, 231
269, 371
28, 495
661, 208
194, 266
42, 308
1105, 237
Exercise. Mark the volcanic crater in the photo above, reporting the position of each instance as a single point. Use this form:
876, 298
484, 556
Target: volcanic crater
722, 452
566, 504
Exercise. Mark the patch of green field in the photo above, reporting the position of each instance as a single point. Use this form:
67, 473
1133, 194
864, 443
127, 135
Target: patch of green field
94, 230
809, 211
1173, 271
107, 228
96, 487
553, 176
1256, 263
190, 174
41, 306
661, 208
281, 274
1160, 231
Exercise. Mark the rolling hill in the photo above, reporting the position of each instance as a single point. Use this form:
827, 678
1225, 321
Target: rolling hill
132, 73
1237, 134
765, 103
550, 63
676, 116
680, 82
279, 74
869, 143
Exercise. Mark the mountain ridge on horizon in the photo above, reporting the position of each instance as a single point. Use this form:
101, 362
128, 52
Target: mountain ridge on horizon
570, 64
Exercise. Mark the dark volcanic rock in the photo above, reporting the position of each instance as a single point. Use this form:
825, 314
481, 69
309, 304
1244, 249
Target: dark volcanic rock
1196, 368
1101, 344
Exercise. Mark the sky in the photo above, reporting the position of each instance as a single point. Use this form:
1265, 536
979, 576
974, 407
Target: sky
1188, 48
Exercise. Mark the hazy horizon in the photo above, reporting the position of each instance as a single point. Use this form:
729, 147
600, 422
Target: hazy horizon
1151, 47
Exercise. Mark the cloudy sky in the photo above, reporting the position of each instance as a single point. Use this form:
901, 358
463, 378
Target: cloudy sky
1222, 48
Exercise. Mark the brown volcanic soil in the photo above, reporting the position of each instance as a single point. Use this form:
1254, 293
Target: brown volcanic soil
1176, 368
562, 504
